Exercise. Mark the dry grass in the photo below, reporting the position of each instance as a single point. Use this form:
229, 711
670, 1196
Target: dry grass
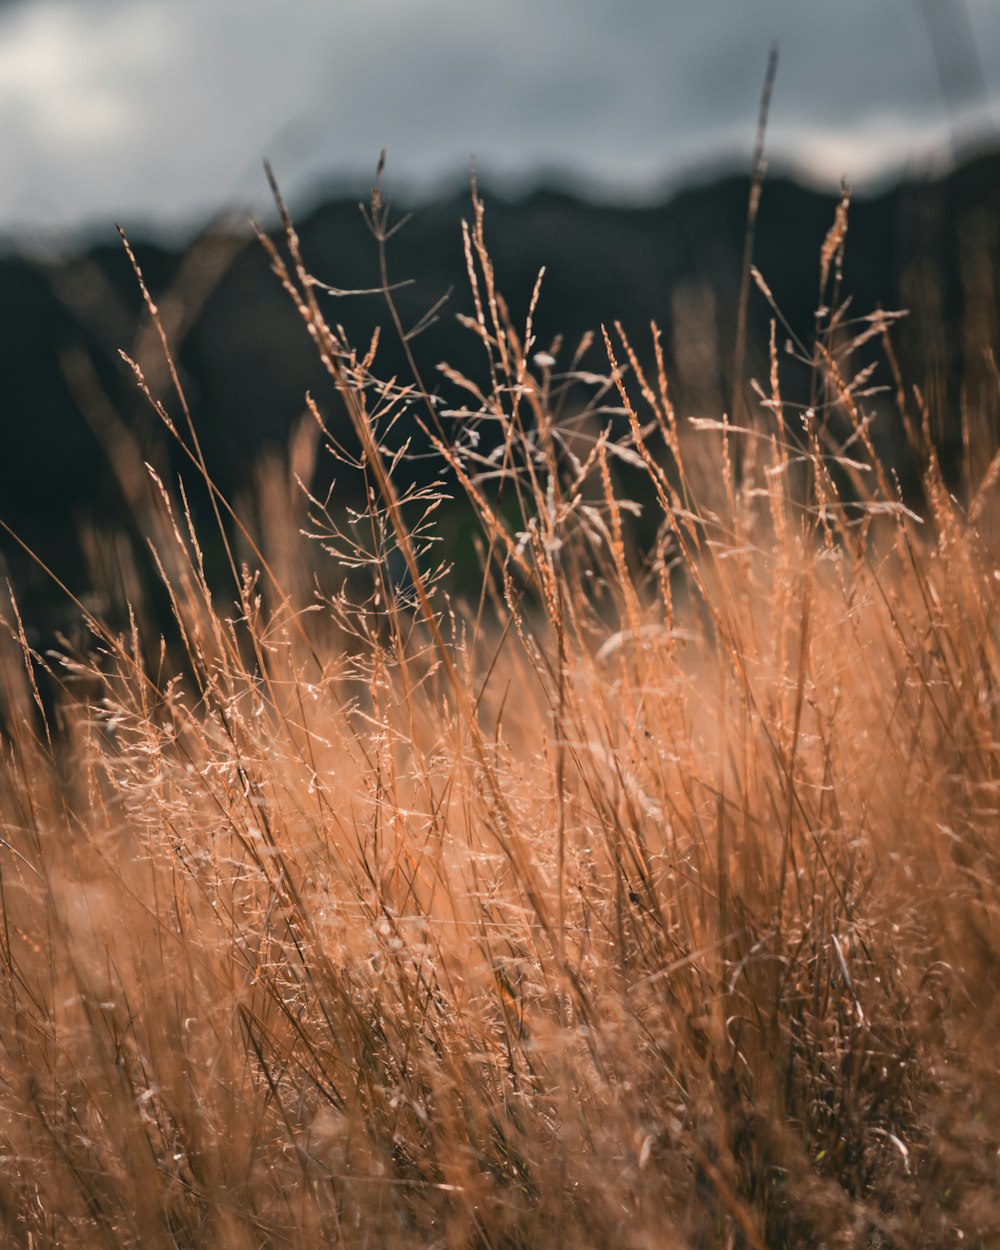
641, 900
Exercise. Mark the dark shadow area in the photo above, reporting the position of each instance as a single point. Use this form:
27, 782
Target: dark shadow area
75, 426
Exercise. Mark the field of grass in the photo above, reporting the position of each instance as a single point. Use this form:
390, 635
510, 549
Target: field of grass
643, 896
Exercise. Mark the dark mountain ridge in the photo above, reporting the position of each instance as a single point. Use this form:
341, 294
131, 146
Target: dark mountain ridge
246, 361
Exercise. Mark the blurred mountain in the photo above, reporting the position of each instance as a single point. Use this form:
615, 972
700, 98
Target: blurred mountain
71, 408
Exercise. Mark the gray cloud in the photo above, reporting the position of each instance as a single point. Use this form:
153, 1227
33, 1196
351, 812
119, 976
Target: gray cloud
162, 109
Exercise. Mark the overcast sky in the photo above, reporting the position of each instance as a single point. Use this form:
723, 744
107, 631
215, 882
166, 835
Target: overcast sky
160, 111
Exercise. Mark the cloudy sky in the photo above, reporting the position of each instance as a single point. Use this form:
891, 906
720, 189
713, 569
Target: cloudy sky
156, 112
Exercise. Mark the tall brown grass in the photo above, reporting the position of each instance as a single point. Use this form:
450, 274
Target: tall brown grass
642, 897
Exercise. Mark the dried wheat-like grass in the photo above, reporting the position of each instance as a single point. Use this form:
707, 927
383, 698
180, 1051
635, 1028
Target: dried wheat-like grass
642, 900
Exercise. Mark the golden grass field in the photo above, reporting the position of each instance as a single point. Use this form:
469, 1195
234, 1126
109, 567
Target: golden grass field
639, 898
